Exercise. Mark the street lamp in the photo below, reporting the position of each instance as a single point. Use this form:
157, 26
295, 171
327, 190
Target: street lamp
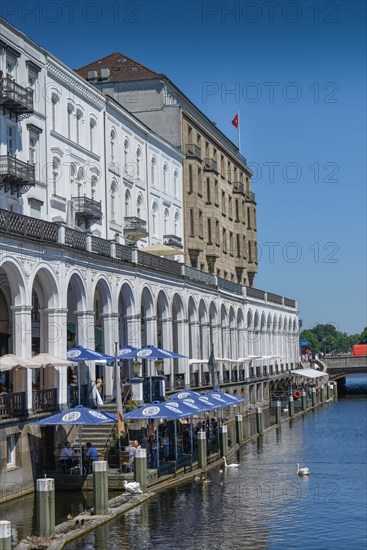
136, 367
159, 367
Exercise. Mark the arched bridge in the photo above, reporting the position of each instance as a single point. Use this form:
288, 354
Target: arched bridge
345, 365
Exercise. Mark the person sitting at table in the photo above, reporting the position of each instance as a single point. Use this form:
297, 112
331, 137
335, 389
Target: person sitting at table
66, 456
91, 455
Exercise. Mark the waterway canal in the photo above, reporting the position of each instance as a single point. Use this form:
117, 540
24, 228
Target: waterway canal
263, 503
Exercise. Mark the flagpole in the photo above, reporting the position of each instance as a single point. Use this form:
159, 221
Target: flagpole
239, 133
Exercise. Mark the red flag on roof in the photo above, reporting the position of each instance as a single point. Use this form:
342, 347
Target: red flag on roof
235, 121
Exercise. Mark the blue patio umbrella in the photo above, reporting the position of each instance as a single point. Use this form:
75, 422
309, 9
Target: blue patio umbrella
225, 399
151, 353
78, 416
183, 394
78, 354
201, 401
123, 352
169, 410
126, 350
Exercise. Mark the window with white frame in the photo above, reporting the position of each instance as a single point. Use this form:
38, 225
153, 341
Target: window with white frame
32, 78
138, 160
165, 175
35, 208
33, 147
112, 144
79, 120
12, 206
113, 200
127, 203
11, 63
54, 108
55, 174
70, 110
166, 222
80, 182
126, 152
72, 179
10, 450
92, 133
154, 218
93, 187
177, 223
153, 164
139, 206
175, 179
11, 139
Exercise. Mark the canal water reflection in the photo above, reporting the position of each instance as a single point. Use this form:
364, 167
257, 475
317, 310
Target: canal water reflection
264, 504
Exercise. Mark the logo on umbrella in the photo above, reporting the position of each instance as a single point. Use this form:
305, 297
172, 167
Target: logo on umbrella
183, 395
174, 408
150, 411
191, 403
144, 353
73, 353
124, 351
97, 414
71, 417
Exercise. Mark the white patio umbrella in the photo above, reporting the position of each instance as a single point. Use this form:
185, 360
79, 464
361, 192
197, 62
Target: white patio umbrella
47, 360
162, 250
11, 361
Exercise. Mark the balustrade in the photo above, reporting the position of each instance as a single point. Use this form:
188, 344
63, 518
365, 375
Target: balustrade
12, 405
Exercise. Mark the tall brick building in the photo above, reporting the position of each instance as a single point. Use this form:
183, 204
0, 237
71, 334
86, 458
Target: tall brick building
219, 205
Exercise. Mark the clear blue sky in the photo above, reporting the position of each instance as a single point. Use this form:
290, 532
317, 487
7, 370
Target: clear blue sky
298, 70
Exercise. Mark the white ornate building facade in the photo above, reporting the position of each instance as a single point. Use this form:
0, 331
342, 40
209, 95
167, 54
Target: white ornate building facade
79, 176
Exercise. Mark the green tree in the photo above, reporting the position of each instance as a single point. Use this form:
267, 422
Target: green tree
362, 337
313, 340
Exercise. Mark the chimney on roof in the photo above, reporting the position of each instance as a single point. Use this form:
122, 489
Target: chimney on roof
105, 73
92, 75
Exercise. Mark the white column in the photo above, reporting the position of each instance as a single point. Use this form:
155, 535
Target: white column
22, 346
55, 338
151, 335
110, 336
133, 330
183, 345
167, 344
85, 338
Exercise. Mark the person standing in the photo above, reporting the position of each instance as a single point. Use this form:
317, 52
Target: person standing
91, 455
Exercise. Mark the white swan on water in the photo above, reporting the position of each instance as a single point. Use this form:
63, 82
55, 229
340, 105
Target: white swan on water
233, 465
302, 471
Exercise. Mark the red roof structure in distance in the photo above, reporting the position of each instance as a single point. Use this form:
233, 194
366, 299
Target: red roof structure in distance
116, 67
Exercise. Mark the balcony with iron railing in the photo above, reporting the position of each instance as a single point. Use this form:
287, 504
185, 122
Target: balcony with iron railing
250, 197
14, 99
16, 176
210, 165
134, 229
193, 151
172, 240
239, 187
87, 209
